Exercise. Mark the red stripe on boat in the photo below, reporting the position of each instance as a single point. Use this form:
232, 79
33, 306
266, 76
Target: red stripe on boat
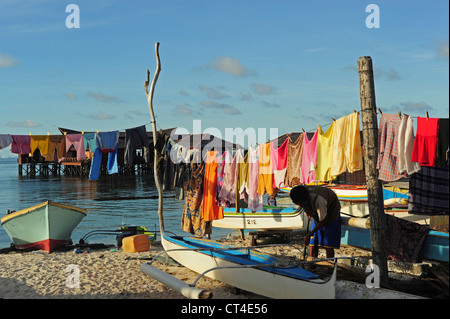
46, 244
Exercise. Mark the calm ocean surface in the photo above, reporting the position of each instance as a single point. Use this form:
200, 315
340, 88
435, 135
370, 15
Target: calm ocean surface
21, 192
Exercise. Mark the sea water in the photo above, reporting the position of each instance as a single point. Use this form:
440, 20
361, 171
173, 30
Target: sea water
110, 202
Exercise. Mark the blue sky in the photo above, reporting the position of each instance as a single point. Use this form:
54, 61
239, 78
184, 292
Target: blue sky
231, 64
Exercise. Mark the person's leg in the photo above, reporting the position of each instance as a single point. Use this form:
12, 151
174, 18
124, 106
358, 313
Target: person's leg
329, 252
313, 251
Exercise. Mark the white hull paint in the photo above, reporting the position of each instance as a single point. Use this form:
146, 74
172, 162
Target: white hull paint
275, 219
258, 281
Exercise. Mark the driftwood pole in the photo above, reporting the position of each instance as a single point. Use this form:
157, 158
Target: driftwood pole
155, 162
370, 148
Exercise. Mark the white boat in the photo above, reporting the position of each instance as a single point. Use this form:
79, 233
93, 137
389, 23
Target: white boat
248, 269
242, 268
270, 217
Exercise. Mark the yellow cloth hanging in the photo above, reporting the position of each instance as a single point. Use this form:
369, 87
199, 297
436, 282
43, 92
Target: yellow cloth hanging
265, 183
40, 142
353, 150
346, 146
324, 153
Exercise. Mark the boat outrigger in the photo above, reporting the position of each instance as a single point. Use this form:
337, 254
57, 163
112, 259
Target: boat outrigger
241, 267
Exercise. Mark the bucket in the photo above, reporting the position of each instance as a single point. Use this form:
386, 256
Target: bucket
136, 243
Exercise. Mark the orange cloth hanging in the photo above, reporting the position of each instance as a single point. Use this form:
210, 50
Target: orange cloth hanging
210, 210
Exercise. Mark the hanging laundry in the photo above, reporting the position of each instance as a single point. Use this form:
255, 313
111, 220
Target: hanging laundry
220, 172
279, 162
347, 153
265, 183
180, 153
136, 138
191, 220
404, 239
425, 144
294, 162
77, 140
89, 141
405, 146
40, 142
324, 153
228, 189
21, 144
57, 147
309, 158
255, 200
105, 142
243, 176
429, 191
240, 179
388, 162
89, 144
169, 166
443, 143
210, 210
5, 140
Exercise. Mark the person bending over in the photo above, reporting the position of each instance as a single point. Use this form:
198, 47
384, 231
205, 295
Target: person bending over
322, 205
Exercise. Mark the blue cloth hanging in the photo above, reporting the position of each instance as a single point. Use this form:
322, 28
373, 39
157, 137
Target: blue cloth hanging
105, 142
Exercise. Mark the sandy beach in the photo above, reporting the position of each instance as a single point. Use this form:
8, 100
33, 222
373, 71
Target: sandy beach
109, 273
103, 274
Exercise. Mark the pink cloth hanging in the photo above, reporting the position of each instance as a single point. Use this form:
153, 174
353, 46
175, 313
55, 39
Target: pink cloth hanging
21, 144
279, 162
228, 189
255, 202
77, 141
308, 174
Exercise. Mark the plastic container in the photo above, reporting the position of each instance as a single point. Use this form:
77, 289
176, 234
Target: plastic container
136, 243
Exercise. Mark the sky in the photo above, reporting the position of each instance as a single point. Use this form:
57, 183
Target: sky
253, 65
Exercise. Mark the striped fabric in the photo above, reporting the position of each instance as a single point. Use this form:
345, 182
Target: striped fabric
388, 155
429, 191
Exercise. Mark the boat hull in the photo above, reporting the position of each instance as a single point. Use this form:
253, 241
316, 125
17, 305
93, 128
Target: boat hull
46, 226
355, 193
260, 281
274, 218
356, 233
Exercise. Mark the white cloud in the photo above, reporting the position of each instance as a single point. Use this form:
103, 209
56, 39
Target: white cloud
231, 66
442, 48
263, 89
227, 109
103, 98
25, 123
7, 61
268, 104
102, 116
211, 92
415, 106
70, 96
182, 109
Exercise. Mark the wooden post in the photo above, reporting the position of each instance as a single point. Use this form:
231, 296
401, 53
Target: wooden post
152, 115
370, 148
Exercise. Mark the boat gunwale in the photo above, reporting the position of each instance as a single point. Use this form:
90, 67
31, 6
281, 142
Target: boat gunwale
226, 253
31, 209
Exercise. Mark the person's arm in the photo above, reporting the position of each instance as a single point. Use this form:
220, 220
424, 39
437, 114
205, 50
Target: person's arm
321, 207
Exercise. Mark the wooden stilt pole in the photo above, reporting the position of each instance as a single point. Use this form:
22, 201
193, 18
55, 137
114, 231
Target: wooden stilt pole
370, 148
